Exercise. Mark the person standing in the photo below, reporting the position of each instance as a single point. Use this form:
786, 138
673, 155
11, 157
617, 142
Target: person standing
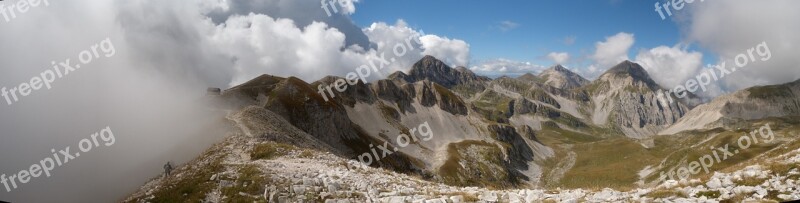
167, 169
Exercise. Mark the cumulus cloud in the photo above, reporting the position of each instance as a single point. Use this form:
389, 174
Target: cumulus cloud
451, 51
241, 47
613, 51
730, 28
500, 67
673, 66
310, 52
302, 12
558, 57
670, 66
407, 45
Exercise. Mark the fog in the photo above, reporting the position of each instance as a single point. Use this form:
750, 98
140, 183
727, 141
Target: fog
156, 114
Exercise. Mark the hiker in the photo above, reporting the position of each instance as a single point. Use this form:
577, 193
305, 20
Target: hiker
167, 169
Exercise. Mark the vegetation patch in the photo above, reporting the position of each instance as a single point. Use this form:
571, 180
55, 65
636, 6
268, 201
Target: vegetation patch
712, 194
270, 150
665, 194
750, 181
250, 182
475, 163
608, 163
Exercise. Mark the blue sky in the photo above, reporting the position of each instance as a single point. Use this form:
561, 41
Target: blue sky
542, 26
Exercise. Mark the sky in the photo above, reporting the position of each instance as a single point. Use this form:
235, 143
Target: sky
527, 30
166, 53
517, 37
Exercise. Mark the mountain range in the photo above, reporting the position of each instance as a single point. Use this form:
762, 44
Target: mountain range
555, 130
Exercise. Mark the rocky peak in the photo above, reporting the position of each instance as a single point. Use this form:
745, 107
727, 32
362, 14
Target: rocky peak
560, 77
560, 68
434, 70
630, 70
627, 97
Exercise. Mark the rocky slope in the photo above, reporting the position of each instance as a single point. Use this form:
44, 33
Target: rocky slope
741, 106
251, 169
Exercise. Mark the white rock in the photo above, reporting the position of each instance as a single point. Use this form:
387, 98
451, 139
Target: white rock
457, 199
488, 196
761, 193
532, 196
299, 189
435, 201
785, 197
714, 183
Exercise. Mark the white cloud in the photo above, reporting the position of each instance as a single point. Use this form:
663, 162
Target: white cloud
317, 50
506, 26
389, 38
498, 67
672, 66
613, 51
309, 53
729, 28
451, 51
607, 54
558, 57
302, 12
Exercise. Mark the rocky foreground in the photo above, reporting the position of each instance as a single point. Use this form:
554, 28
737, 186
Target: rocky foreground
245, 169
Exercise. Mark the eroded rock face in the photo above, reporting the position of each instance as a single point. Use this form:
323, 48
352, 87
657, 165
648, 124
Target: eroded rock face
519, 154
627, 98
434, 94
388, 90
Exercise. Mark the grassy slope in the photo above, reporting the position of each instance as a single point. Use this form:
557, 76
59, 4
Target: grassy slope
616, 161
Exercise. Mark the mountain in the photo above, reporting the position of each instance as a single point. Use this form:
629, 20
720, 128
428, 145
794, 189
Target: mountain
469, 138
374, 114
626, 98
560, 77
434, 70
300, 104
753, 103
